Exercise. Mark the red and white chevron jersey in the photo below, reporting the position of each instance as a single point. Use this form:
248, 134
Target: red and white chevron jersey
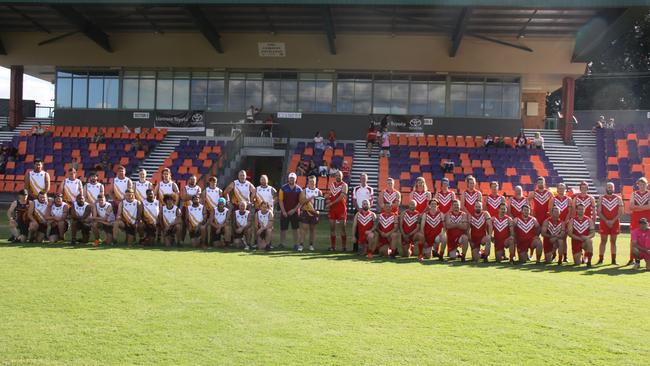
478, 225
389, 198
541, 201
586, 201
553, 227
501, 227
492, 204
365, 222
516, 204
387, 222
525, 228
581, 225
470, 199
336, 190
420, 199
609, 205
410, 221
433, 221
444, 201
564, 204
641, 199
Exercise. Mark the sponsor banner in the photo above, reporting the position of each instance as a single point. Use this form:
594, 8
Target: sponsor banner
410, 124
180, 120
271, 49
140, 115
292, 115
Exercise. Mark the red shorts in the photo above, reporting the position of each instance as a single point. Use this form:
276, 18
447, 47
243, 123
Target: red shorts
361, 237
408, 239
548, 246
381, 241
576, 246
500, 242
453, 239
475, 240
541, 216
338, 213
645, 256
524, 244
430, 237
636, 216
614, 230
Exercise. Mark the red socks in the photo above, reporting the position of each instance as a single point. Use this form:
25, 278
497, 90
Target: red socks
420, 249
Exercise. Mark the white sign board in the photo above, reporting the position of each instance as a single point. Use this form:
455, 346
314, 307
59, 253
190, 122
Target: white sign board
271, 49
140, 115
292, 115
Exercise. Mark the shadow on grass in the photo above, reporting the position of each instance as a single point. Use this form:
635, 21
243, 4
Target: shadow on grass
608, 270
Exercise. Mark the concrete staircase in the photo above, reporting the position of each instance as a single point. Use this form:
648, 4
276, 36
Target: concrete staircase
362, 163
157, 157
584, 138
566, 159
26, 125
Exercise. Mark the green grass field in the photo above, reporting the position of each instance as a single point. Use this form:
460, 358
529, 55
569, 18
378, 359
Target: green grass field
78, 306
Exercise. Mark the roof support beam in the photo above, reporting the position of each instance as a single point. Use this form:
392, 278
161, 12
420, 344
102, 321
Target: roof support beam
28, 18
3, 50
88, 28
459, 31
205, 26
595, 36
329, 29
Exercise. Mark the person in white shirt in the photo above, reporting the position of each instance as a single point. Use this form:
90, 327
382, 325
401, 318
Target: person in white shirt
71, 187
37, 180
103, 220
362, 192
150, 219
121, 183
221, 224
166, 186
242, 191
538, 141
264, 226
241, 227
93, 189
195, 222
128, 218
318, 142
170, 221
57, 218
266, 193
142, 185
80, 219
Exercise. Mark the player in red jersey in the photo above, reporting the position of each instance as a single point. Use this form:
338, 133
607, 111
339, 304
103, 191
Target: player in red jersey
432, 223
470, 196
364, 226
388, 196
409, 220
494, 200
540, 201
610, 209
387, 232
517, 202
554, 234
639, 208
587, 200
338, 211
420, 195
480, 229
562, 202
502, 234
581, 230
445, 196
456, 225
526, 229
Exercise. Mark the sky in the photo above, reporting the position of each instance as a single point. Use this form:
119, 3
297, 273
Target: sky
33, 89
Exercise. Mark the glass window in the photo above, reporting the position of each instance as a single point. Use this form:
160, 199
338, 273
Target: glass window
458, 99
271, 95
254, 93
474, 99
216, 95
510, 101
307, 93
288, 95
493, 96
63, 92
111, 90
199, 94
130, 93
419, 99
164, 94
437, 98
399, 97
147, 94
381, 98
236, 92
181, 94
95, 93
323, 96
345, 96
79, 92
362, 96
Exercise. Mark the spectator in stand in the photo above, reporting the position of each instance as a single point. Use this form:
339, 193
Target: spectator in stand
371, 138
488, 141
499, 142
301, 169
99, 136
322, 169
319, 143
331, 137
126, 129
267, 130
104, 163
447, 166
600, 124
345, 169
610, 124
385, 143
520, 140
538, 141
38, 130
138, 145
312, 169
74, 164
333, 169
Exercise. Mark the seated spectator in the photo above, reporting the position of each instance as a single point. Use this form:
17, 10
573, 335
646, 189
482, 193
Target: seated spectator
137, 130
345, 169
385, 143
322, 169
488, 141
301, 169
331, 137
333, 170
38, 130
138, 145
447, 166
538, 141
267, 130
520, 141
499, 142
610, 124
318, 142
99, 136
312, 169
104, 163
126, 129
74, 164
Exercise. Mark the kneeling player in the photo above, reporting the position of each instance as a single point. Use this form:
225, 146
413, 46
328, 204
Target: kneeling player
150, 215
103, 220
57, 217
196, 220
18, 217
170, 221
387, 231
242, 225
456, 225
581, 230
433, 222
220, 224
38, 211
480, 228
554, 236
409, 221
527, 235
80, 219
129, 213
363, 226
264, 225
640, 240
502, 234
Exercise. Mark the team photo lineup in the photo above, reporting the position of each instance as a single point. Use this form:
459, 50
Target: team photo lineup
534, 226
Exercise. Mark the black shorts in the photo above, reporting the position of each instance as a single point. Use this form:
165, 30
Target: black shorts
217, 234
83, 226
42, 228
107, 228
263, 235
150, 230
310, 219
23, 227
129, 229
194, 232
237, 235
55, 231
170, 231
293, 219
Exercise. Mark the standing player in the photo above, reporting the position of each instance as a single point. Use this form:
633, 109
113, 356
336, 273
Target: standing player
562, 202
71, 187
266, 193
338, 211
363, 226
38, 211
150, 215
211, 194
610, 209
167, 186
170, 218
188, 192
19, 218
526, 229
93, 189
388, 196
361, 193
494, 200
445, 197
142, 185
456, 225
196, 220
242, 225
581, 230
289, 200
433, 221
587, 200
517, 202
554, 234
57, 218
80, 219
387, 232
639, 208
503, 234
540, 200
103, 220
409, 222
121, 183
420, 195
129, 214
241, 190
264, 226
480, 229
470, 196
308, 215
37, 180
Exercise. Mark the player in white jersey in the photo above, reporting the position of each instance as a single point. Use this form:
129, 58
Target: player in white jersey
264, 225
265, 193
211, 194
150, 216
241, 226
57, 218
167, 186
240, 190
80, 219
103, 220
37, 180
220, 224
93, 189
190, 190
196, 220
121, 183
142, 185
309, 216
71, 187
170, 217
129, 214
37, 213
361, 193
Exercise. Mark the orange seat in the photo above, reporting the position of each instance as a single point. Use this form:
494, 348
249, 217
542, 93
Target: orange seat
525, 179
612, 174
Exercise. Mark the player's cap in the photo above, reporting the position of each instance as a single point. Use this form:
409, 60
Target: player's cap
445, 180
221, 200
293, 175
22, 192
643, 220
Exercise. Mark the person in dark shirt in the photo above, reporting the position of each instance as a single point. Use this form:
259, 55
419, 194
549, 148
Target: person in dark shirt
289, 199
